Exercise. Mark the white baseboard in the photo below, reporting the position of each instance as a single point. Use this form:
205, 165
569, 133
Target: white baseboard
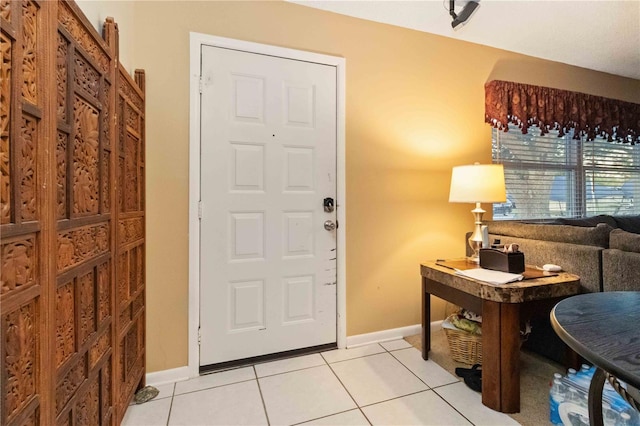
167, 376
436, 325
182, 373
386, 335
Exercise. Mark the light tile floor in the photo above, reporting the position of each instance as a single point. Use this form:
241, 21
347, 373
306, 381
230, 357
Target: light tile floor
379, 384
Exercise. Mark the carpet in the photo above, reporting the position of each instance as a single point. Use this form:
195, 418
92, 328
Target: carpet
536, 373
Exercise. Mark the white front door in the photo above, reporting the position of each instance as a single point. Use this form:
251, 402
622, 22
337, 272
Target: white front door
268, 160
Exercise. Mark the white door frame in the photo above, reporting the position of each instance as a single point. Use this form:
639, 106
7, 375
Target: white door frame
196, 41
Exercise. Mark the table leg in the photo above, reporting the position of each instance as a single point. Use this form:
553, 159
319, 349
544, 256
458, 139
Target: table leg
595, 398
501, 356
426, 321
572, 359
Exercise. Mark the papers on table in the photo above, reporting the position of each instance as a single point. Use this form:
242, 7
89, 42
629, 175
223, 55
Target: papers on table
490, 276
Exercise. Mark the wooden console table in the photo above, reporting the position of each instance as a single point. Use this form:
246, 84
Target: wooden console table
502, 307
603, 328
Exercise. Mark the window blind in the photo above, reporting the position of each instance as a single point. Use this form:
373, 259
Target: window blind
548, 176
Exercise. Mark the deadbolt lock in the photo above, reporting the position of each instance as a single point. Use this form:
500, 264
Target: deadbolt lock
328, 205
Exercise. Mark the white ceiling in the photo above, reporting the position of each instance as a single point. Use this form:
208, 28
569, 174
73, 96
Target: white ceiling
602, 35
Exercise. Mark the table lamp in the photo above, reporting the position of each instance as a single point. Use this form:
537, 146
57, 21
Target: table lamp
478, 183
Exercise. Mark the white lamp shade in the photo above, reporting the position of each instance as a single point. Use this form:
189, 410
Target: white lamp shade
478, 183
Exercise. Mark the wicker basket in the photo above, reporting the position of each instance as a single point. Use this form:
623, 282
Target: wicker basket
464, 346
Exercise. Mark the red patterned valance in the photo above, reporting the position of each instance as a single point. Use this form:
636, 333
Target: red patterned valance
590, 116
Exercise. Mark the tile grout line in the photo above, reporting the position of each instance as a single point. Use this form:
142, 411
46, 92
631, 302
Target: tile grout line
362, 356
396, 397
411, 371
264, 406
291, 371
347, 390
328, 415
325, 364
215, 387
390, 399
433, 389
429, 388
451, 405
171, 404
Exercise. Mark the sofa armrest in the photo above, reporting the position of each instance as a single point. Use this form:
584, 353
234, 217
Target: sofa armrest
620, 270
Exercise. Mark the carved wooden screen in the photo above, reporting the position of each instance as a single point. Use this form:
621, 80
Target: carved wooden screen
60, 219
82, 301
130, 330
23, 297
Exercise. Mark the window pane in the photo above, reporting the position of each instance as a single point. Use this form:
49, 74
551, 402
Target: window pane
537, 194
612, 177
550, 176
612, 192
550, 150
539, 174
603, 154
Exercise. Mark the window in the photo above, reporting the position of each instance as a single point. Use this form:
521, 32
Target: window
550, 176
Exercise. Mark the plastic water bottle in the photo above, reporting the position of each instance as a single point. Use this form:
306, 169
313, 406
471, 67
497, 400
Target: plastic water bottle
556, 397
609, 416
625, 419
581, 380
573, 396
583, 421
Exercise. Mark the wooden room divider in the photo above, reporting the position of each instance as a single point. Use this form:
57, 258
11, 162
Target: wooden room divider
72, 297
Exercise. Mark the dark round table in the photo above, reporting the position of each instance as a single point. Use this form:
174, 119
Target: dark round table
604, 328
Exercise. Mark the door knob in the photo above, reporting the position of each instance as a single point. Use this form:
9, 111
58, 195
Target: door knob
329, 225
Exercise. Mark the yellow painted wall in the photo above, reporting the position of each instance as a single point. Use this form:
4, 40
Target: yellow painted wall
414, 109
122, 11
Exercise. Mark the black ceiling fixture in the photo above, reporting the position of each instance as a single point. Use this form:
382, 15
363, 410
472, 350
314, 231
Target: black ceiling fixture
466, 13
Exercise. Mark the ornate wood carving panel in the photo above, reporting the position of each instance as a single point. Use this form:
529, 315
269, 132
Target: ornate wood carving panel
81, 33
61, 175
27, 167
69, 383
59, 303
81, 244
85, 175
5, 10
84, 72
130, 236
23, 274
30, 35
61, 77
19, 263
20, 359
65, 323
5, 116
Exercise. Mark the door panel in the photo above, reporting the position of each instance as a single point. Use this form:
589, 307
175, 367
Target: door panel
268, 159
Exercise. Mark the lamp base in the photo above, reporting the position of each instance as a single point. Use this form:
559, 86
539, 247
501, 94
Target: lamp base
476, 240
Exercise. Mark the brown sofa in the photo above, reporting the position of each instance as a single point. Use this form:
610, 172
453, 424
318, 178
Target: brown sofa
603, 250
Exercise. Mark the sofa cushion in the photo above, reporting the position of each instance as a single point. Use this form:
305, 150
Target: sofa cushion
629, 223
593, 236
589, 221
625, 241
